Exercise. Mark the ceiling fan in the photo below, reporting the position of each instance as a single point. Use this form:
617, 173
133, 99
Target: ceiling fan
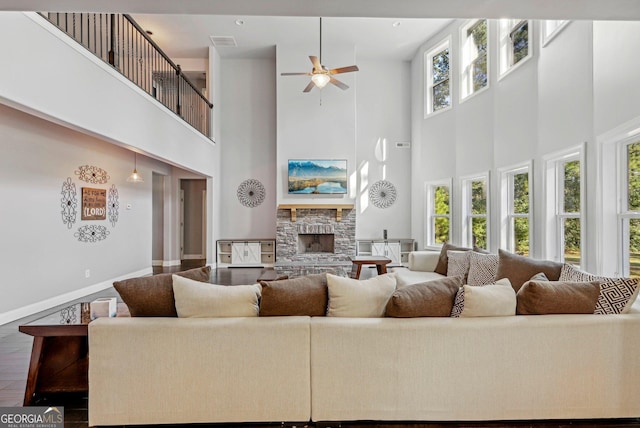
321, 75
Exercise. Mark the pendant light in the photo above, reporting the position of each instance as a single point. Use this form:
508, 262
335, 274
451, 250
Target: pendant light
135, 177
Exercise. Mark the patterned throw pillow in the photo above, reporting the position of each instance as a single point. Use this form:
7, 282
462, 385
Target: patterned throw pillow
482, 268
616, 294
458, 263
571, 273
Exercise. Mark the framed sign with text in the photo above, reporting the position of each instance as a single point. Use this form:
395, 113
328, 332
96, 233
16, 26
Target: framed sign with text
94, 204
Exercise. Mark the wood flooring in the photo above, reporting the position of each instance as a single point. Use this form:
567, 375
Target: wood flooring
15, 351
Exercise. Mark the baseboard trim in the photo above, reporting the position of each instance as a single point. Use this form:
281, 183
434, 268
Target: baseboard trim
157, 262
34, 308
193, 257
169, 263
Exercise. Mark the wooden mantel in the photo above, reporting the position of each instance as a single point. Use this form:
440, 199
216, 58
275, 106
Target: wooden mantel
337, 207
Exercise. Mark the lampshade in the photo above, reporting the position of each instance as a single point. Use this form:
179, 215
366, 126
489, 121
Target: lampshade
320, 79
135, 177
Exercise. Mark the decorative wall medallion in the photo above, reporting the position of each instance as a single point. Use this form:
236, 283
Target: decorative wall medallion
91, 233
92, 174
251, 193
382, 194
113, 205
68, 315
69, 203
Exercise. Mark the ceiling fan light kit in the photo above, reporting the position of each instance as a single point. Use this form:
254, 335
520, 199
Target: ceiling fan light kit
321, 75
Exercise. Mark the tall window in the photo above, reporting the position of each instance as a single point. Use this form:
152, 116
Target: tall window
438, 79
551, 27
476, 211
515, 43
516, 210
630, 209
564, 206
474, 53
438, 227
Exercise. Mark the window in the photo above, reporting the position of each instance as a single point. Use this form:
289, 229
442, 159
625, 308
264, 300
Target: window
630, 208
438, 79
474, 53
475, 212
551, 28
515, 43
516, 209
565, 190
438, 227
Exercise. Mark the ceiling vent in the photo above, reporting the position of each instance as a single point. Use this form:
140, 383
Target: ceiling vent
223, 41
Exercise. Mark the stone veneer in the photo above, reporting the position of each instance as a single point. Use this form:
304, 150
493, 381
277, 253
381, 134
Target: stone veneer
290, 262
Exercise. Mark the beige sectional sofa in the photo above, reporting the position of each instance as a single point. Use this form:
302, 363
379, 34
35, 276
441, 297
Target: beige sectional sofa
160, 370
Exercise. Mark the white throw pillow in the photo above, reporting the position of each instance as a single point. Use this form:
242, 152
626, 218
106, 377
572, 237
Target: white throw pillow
204, 300
492, 300
355, 298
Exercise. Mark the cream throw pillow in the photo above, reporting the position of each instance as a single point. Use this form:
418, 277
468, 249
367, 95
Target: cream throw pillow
359, 299
203, 300
493, 300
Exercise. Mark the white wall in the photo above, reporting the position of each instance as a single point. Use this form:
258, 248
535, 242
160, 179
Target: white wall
581, 84
248, 146
52, 76
43, 263
383, 117
320, 124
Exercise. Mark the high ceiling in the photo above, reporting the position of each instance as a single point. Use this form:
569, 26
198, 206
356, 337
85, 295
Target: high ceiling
183, 28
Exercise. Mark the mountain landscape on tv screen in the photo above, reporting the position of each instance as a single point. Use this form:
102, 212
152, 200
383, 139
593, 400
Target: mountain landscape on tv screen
317, 176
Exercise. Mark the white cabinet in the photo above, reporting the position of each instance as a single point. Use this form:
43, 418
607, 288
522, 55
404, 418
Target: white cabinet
245, 253
396, 249
249, 253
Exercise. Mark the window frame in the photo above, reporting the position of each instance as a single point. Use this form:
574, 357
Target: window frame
507, 214
506, 27
624, 214
467, 216
551, 28
430, 211
466, 63
428, 77
555, 214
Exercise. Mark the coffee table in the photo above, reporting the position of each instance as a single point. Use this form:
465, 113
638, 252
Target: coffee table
60, 353
380, 262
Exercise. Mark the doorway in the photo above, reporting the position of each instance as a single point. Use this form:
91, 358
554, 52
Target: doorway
193, 219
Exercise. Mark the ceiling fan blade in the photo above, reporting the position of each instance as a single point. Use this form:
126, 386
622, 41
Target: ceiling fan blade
316, 63
344, 69
338, 83
295, 74
309, 87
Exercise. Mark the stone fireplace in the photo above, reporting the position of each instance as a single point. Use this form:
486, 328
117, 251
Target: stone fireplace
315, 240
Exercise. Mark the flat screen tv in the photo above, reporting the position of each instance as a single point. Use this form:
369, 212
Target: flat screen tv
310, 176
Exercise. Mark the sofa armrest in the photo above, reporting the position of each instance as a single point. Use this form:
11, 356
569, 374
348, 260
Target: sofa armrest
424, 261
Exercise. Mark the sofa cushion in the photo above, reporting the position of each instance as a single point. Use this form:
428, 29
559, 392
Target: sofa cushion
305, 295
427, 299
356, 298
617, 295
519, 269
152, 296
199, 300
491, 300
482, 268
405, 277
557, 297
443, 261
